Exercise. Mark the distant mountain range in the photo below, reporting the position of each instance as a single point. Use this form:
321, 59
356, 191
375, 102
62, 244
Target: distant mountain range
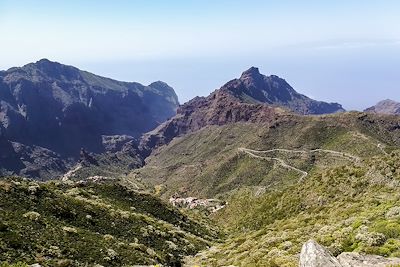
385, 107
49, 111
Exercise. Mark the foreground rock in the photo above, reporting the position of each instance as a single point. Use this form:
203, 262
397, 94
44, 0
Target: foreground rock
314, 255
353, 259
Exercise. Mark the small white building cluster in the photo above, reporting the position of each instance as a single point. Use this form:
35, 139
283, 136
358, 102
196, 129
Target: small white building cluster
211, 205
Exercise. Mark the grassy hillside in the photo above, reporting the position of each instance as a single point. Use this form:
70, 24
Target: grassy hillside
348, 199
332, 178
75, 224
208, 163
346, 208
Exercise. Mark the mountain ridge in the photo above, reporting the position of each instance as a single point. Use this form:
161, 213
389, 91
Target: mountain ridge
254, 87
248, 98
60, 108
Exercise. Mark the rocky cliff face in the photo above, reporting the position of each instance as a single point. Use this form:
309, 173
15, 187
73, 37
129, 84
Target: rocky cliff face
218, 108
385, 107
59, 108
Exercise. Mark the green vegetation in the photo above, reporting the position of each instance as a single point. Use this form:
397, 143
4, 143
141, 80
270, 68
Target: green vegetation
207, 163
346, 208
342, 203
58, 224
18, 264
346, 203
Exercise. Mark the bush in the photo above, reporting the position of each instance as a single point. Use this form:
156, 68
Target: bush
389, 229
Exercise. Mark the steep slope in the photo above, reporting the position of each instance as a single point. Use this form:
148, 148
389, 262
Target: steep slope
251, 98
385, 107
348, 199
63, 109
346, 208
208, 162
219, 108
88, 223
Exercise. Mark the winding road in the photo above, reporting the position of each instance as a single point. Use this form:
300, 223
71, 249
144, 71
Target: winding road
281, 162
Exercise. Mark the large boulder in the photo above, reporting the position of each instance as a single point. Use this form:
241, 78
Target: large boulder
314, 255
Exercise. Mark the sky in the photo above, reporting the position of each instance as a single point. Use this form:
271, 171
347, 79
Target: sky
345, 51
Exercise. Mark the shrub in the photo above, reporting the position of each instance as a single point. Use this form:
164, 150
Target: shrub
32, 215
389, 229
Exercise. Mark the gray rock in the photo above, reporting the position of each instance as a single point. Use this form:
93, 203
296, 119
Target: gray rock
353, 259
314, 255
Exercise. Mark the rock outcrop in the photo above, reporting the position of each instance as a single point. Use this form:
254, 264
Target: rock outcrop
353, 259
314, 255
385, 107
218, 108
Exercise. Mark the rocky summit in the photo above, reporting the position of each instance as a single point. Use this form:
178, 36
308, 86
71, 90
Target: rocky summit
385, 107
253, 87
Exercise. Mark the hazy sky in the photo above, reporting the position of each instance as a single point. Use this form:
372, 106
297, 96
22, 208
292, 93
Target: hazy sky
345, 51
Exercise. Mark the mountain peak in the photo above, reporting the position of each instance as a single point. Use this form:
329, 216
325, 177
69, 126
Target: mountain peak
160, 84
44, 63
254, 87
166, 90
52, 70
252, 72
388, 101
387, 106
